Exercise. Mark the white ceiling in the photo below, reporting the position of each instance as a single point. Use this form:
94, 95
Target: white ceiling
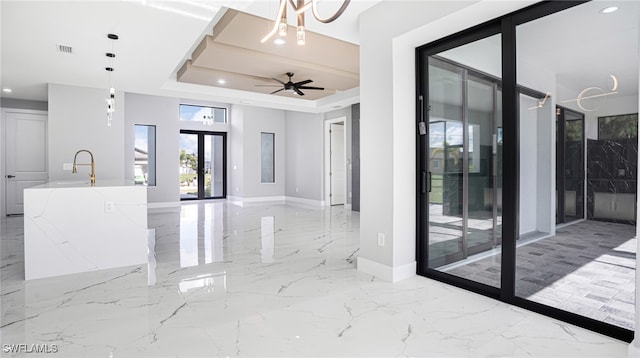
156, 37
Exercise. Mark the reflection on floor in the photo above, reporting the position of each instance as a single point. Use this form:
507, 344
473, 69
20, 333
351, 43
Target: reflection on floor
268, 280
587, 268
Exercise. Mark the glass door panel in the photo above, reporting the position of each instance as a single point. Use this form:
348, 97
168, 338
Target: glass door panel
445, 163
214, 166
463, 158
202, 165
481, 151
574, 171
188, 166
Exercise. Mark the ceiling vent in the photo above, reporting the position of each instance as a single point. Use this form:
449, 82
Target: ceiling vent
65, 49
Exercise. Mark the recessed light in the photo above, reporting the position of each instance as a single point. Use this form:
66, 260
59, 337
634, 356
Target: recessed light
221, 81
608, 10
279, 41
7, 90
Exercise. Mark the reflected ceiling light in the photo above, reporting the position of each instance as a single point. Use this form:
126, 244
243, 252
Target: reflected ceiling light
222, 81
279, 41
299, 6
608, 10
7, 90
582, 95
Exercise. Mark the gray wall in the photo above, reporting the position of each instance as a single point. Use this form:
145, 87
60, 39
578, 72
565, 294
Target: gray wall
304, 153
235, 174
161, 112
77, 120
247, 124
164, 113
23, 104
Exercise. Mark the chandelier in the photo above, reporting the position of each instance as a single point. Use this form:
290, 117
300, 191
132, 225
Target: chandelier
299, 6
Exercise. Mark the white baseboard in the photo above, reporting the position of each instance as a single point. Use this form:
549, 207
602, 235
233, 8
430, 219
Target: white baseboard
242, 201
347, 206
386, 273
634, 348
169, 204
311, 202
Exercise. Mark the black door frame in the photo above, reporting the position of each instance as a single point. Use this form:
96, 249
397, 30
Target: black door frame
561, 150
506, 26
201, 168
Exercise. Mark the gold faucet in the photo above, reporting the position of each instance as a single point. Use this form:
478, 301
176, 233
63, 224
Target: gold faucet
93, 165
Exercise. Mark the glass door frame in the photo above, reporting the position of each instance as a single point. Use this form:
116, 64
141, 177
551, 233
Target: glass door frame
201, 164
561, 145
506, 26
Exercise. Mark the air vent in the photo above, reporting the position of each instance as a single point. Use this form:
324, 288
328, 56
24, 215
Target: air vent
65, 49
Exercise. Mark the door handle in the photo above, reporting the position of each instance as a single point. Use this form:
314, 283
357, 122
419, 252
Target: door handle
11, 176
426, 182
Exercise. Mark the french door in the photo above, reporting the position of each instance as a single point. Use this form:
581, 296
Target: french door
203, 165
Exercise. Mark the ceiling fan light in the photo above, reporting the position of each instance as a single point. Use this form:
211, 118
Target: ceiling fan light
300, 35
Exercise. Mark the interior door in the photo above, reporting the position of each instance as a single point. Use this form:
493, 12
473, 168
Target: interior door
338, 172
26, 155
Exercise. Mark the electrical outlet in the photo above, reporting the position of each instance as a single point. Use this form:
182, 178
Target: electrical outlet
297, 189
380, 239
350, 194
109, 207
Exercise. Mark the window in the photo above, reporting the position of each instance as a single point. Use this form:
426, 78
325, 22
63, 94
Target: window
205, 115
618, 127
144, 168
267, 158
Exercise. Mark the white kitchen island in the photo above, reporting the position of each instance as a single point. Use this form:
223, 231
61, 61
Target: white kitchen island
72, 227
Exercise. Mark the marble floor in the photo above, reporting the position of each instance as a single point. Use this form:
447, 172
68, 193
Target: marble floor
265, 281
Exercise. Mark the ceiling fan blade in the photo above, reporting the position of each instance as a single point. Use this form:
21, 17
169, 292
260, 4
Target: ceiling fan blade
281, 89
275, 79
312, 88
298, 91
302, 83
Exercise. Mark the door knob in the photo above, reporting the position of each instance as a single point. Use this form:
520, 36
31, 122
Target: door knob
11, 176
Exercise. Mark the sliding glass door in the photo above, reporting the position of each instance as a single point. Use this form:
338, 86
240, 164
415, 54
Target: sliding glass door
461, 170
203, 158
503, 113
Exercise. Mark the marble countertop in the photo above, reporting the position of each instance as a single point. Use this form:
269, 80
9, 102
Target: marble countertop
57, 184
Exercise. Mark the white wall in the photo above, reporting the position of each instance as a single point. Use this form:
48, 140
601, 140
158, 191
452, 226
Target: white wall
77, 120
387, 99
304, 153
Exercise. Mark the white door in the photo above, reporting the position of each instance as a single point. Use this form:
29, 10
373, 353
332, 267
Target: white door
25, 155
337, 172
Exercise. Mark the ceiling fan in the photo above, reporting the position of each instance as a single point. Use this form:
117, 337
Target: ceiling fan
294, 87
